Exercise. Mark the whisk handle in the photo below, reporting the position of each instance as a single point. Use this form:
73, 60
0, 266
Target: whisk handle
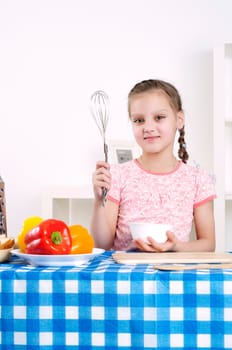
104, 190
106, 152
104, 196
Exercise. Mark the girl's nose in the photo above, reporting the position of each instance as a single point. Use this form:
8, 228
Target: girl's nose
149, 125
148, 128
148, 131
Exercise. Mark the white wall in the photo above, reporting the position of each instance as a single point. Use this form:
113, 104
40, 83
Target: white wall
55, 54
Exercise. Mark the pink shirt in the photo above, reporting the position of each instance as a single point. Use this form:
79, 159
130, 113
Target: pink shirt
145, 196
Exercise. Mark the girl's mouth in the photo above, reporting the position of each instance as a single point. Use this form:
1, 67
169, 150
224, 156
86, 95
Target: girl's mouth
151, 138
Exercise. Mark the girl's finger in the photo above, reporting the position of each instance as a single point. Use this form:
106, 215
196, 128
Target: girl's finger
102, 164
144, 246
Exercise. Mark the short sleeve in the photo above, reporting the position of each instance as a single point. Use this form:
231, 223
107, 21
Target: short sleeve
205, 188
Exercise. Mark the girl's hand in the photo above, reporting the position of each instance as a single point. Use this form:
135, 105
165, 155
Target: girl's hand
101, 178
153, 246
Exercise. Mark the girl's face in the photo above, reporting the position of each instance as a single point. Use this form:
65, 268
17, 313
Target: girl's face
154, 121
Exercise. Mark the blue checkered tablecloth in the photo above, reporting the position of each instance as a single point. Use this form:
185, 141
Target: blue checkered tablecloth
105, 305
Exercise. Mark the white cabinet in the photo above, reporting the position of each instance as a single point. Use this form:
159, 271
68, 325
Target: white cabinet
70, 204
223, 145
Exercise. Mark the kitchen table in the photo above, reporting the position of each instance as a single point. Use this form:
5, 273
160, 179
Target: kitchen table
105, 305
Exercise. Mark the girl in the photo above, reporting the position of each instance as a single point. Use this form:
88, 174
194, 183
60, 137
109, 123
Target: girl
157, 187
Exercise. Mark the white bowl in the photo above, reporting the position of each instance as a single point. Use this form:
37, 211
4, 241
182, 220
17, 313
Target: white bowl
143, 230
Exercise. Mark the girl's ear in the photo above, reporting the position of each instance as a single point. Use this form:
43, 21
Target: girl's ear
180, 120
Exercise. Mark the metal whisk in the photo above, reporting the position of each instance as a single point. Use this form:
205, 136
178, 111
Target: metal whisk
100, 113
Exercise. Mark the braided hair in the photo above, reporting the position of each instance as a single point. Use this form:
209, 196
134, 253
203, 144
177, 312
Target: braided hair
182, 153
175, 102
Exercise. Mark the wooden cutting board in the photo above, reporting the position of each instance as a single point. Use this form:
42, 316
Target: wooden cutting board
171, 258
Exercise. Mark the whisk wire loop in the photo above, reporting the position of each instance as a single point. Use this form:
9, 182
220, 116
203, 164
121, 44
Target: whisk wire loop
100, 110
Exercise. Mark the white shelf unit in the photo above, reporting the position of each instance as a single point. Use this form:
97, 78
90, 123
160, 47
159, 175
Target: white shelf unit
73, 205
223, 145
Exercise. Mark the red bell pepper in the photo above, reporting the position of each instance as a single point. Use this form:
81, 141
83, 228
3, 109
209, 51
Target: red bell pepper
50, 237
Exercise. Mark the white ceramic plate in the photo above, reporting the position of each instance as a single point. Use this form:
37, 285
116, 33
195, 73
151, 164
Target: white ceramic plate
57, 260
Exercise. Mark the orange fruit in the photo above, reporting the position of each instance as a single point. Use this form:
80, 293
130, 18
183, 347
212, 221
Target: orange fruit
82, 241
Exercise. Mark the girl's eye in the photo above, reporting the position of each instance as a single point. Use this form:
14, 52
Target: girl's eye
159, 117
138, 120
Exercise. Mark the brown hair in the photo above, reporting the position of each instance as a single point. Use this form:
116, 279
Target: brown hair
175, 102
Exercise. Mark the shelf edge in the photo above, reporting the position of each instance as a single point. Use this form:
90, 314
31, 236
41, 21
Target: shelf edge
228, 196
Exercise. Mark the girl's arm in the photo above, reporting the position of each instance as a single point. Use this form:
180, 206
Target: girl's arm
104, 218
103, 225
205, 235
205, 230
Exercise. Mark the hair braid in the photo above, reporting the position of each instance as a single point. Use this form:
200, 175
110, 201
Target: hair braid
182, 153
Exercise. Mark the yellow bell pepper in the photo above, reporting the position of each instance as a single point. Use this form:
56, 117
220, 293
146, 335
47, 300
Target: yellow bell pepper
28, 224
82, 241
